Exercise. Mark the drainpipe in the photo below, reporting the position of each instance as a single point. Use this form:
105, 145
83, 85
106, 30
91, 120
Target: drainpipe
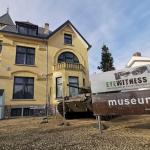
47, 95
47, 103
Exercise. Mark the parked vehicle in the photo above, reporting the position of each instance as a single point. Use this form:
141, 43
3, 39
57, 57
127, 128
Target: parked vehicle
77, 106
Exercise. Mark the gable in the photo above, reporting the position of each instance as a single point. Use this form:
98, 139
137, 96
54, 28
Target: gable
68, 27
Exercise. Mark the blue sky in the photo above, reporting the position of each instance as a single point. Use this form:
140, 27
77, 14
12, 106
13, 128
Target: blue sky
123, 25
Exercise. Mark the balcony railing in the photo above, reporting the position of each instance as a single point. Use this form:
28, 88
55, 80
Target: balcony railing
69, 66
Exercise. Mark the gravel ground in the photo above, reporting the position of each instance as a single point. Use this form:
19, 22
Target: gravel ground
125, 133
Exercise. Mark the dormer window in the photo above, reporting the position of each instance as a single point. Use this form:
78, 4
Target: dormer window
1, 25
22, 30
27, 28
68, 39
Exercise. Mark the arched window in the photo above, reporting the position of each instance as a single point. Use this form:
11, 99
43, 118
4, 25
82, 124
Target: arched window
68, 57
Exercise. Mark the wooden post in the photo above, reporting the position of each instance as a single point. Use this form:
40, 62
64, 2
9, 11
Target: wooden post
64, 118
99, 124
64, 97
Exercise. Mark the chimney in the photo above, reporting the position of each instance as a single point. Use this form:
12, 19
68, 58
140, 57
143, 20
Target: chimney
138, 54
46, 28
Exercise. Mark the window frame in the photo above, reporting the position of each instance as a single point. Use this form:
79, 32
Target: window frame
21, 111
25, 86
26, 54
27, 111
63, 58
67, 39
74, 84
16, 112
27, 29
57, 97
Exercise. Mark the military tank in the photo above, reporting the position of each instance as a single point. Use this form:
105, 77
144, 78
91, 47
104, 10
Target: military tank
77, 106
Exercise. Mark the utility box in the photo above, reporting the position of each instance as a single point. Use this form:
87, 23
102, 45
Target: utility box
1, 104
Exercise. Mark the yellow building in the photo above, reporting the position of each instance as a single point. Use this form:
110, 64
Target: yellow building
36, 64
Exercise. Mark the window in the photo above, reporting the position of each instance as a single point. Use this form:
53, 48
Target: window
32, 31
21, 112
67, 39
83, 82
1, 25
23, 88
74, 82
27, 30
22, 30
25, 55
16, 112
68, 57
28, 112
59, 92
0, 46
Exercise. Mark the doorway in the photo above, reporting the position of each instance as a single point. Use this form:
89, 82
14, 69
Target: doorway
1, 104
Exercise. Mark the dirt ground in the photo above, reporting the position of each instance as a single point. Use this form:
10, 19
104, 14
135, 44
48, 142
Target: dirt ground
122, 133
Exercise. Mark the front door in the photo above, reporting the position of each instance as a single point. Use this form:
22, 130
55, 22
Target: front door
1, 104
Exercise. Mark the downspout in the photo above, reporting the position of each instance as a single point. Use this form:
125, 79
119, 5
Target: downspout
45, 120
47, 83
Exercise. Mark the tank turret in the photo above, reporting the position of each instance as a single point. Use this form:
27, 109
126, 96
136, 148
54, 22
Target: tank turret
77, 106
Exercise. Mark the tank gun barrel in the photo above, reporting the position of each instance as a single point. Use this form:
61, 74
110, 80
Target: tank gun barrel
83, 90
76, 87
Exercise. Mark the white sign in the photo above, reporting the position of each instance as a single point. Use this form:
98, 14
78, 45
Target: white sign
126, 79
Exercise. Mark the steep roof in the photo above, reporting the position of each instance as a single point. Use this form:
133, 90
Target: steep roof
26, 22
6, 19
12, 28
